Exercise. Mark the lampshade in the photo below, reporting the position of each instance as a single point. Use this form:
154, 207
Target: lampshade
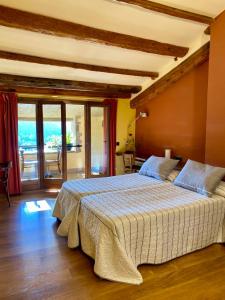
143, 114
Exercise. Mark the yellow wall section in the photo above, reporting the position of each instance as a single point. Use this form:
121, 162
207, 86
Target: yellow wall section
125, 116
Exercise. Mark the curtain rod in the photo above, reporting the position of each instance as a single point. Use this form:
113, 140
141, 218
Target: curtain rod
8, 91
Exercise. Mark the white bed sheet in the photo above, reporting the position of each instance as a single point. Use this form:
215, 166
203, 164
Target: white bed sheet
124, 229
68, 201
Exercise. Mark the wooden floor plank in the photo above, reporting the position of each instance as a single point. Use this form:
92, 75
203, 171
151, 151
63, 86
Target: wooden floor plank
37, 264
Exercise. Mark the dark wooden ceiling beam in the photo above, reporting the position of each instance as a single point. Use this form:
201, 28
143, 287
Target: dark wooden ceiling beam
55, 92
74, 65
33, 22
166, 81
208, 30
171, 11
35, 82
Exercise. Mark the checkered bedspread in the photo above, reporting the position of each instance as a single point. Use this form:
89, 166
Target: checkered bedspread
68, 201
124, 229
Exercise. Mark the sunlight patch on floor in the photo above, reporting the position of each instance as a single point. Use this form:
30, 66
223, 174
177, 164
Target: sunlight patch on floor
35, 206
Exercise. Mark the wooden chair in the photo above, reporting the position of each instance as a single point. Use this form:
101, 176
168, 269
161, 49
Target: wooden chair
4, 177
27, 163
55, 162
138, 162
128, 159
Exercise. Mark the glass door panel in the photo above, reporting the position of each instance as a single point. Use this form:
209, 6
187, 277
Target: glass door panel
27, 140
75, 141
52, 140
60, 141
99, 141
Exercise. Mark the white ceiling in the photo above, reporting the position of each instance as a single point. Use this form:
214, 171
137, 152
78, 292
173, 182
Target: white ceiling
205, 7
109, 15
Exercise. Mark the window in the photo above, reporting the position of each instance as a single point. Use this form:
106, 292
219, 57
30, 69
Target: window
73, 143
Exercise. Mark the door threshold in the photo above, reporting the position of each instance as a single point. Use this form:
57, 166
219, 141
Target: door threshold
51, 191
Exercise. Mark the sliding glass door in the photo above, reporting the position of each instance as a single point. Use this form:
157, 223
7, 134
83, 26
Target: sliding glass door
99, 141
51, 137
75, 141
61, 141
28, 145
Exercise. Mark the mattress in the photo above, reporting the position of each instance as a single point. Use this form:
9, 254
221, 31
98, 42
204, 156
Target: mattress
122, 230
68, 201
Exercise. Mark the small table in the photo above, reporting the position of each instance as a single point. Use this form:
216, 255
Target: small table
4, 177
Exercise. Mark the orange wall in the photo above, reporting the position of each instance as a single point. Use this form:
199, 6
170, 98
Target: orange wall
215, 137
177, 118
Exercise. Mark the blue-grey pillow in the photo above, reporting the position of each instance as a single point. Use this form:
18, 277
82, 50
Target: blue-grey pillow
158, 167
200, 178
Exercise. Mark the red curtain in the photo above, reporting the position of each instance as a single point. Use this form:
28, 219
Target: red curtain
9, 138
112, 105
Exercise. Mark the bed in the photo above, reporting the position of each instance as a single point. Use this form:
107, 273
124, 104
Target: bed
68, 201
123, 229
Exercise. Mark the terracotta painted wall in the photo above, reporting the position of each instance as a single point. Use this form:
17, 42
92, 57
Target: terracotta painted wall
215, 136
177, 118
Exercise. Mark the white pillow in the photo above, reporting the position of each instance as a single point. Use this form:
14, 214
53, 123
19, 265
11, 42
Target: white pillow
220, 190
158, 167
200, 178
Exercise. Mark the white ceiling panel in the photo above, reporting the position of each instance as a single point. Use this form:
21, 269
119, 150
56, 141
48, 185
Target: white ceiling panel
114, 16
45, 71
27, 42
109, 15
210, 8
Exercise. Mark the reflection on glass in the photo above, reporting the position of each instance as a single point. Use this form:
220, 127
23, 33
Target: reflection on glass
75, 141
27, 139
99, 146
52, 128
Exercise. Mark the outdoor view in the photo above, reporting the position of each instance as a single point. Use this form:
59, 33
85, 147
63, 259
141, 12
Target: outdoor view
52, 136
52, 141
52, 133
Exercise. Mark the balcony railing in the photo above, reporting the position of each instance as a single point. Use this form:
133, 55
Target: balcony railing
29, 149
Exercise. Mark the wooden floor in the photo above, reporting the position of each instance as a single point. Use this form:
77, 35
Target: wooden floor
36, 264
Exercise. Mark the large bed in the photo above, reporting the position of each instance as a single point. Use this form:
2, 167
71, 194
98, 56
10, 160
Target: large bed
121, 230
67, 205
129, 220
